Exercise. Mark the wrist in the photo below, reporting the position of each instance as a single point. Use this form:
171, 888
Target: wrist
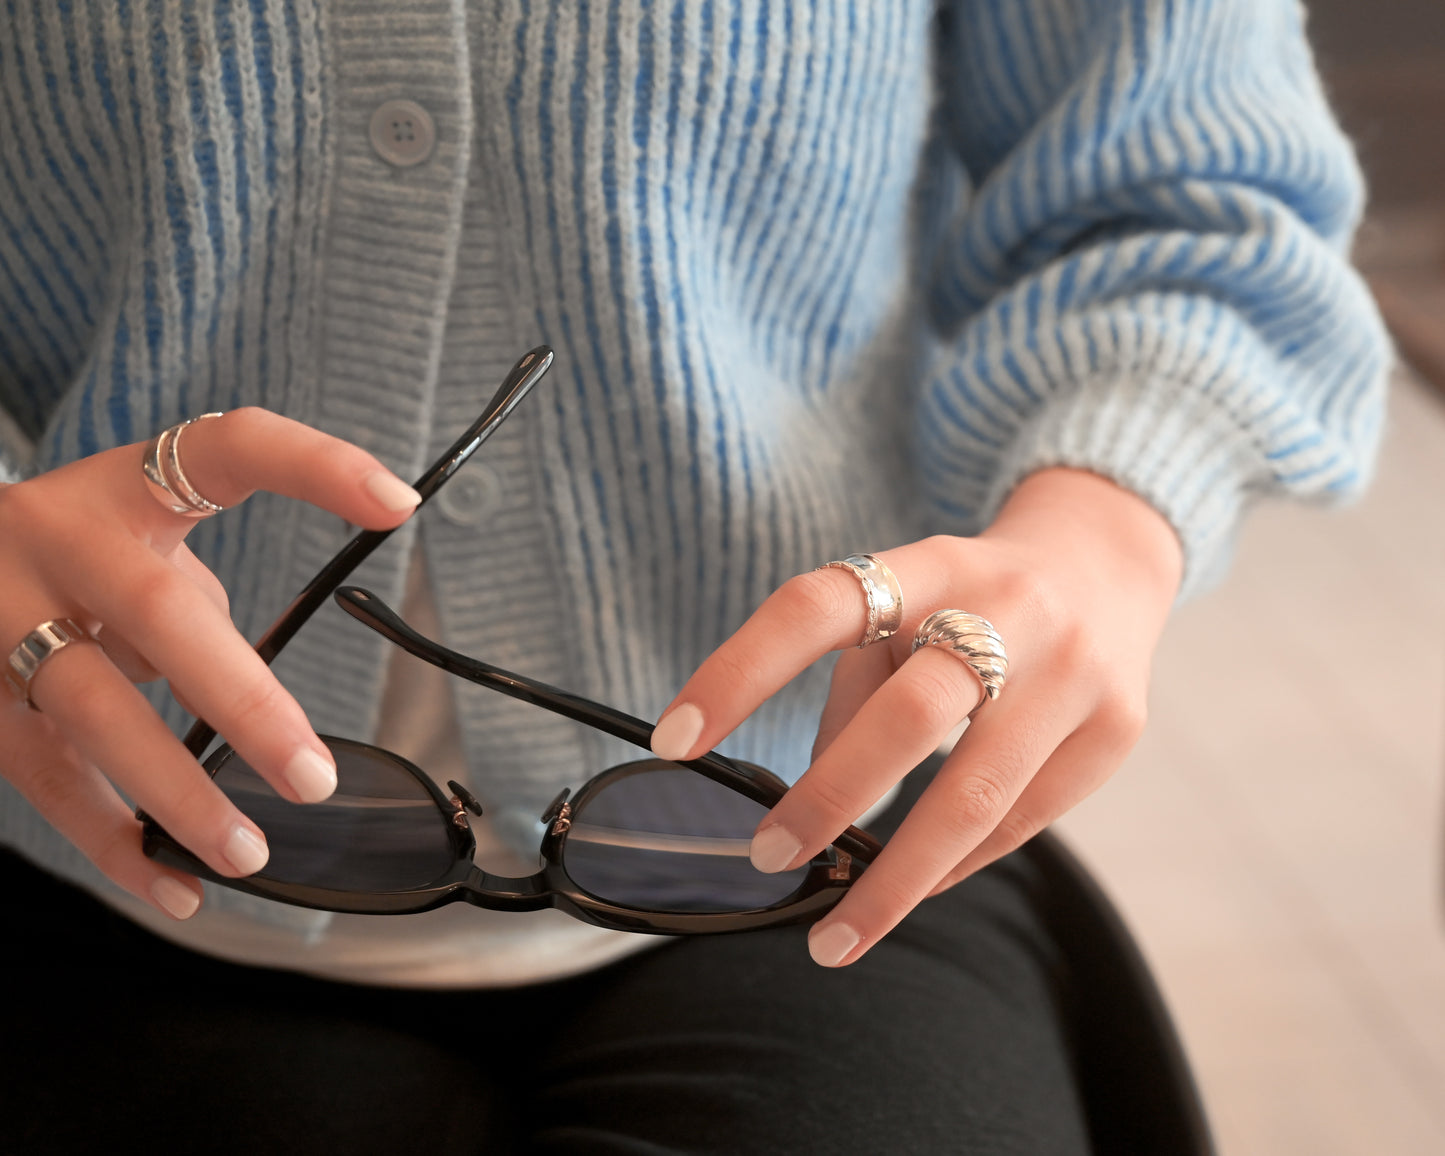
1094, 526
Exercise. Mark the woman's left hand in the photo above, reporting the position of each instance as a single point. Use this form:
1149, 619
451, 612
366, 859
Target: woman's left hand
1076, 574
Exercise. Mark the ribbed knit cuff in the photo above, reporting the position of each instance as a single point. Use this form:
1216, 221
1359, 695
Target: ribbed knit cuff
1175, 448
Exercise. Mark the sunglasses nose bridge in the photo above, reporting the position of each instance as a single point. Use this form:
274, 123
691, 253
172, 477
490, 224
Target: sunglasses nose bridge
504, 893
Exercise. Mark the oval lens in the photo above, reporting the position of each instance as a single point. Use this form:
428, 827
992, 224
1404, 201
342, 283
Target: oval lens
672, 840
380, 831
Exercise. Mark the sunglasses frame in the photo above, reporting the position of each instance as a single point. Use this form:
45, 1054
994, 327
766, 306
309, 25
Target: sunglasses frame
829, 874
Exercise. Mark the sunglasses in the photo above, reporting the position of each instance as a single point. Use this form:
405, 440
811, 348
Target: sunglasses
649, 846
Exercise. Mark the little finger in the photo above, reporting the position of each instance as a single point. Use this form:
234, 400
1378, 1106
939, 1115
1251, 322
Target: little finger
78, 801
1083, 763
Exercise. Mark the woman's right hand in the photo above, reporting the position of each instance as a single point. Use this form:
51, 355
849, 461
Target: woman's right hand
88, 541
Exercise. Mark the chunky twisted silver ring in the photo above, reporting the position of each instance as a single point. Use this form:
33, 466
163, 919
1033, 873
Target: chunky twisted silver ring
880, 588
974, 640
45, 640
166, 478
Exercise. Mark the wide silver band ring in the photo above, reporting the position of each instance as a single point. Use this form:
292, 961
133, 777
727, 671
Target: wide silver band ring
45, 640
974, 640
881, 589
166, 478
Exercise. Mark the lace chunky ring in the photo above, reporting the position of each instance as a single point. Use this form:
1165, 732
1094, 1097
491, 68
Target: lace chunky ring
974, 640
45, 640
880, 588
167, 480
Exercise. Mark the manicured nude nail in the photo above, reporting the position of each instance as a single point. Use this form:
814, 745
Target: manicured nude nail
174, 897
391, 491
311, 775
774, 848
677, 733
828, 945
245, 850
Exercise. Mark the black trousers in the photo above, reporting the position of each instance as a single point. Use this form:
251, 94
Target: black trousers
964, 1031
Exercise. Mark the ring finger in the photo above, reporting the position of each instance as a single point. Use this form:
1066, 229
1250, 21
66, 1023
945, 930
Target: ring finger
78, 801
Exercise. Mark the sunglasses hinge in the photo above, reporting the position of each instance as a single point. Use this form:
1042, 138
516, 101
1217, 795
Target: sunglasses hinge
558, 814
563, 820
843, 868
462, 801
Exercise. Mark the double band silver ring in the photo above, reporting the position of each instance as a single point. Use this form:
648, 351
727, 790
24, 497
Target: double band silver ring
45, 640
880, 588
974, 640
166, 478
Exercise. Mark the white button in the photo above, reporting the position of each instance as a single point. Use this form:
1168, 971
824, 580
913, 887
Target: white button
468, 497
402, 133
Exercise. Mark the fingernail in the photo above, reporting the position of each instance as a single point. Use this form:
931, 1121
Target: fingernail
391, 491
828, 945
311, 775
675, 735
245, 850
774, 848
174, 897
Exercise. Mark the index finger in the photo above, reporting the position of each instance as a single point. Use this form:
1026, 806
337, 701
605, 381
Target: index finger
804, 619
230, 457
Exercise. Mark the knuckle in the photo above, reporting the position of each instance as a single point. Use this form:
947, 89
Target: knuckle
51, 789
939, 696
818, 597
1122, 719
894, 893
155, 597
1015, 829
835, 802
732, 671
114, 851
259, 700
975, 804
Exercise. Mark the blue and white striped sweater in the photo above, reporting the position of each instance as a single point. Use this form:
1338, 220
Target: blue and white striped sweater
821, 277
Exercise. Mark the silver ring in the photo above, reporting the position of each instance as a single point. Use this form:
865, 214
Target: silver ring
881, 589
974, 640
42, 642
166, 478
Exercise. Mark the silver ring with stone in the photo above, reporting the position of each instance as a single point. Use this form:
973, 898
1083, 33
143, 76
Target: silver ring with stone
166, 477
881, 589
47, 639
974, 640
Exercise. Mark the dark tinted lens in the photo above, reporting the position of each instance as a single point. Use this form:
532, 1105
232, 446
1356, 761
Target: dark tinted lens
672, 840
380, 831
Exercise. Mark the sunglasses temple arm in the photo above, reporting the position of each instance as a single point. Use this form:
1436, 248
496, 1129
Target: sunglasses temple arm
371, 611
519, 382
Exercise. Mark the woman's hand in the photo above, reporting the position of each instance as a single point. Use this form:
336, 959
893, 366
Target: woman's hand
1076, 574
89, 542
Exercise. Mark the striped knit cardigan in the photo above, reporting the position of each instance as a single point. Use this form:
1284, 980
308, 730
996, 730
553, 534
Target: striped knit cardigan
821, 276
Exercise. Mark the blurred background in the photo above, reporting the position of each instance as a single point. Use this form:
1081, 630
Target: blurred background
1276, 840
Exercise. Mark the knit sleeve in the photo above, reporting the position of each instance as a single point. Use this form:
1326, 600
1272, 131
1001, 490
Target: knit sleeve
14, 449
1150, 278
